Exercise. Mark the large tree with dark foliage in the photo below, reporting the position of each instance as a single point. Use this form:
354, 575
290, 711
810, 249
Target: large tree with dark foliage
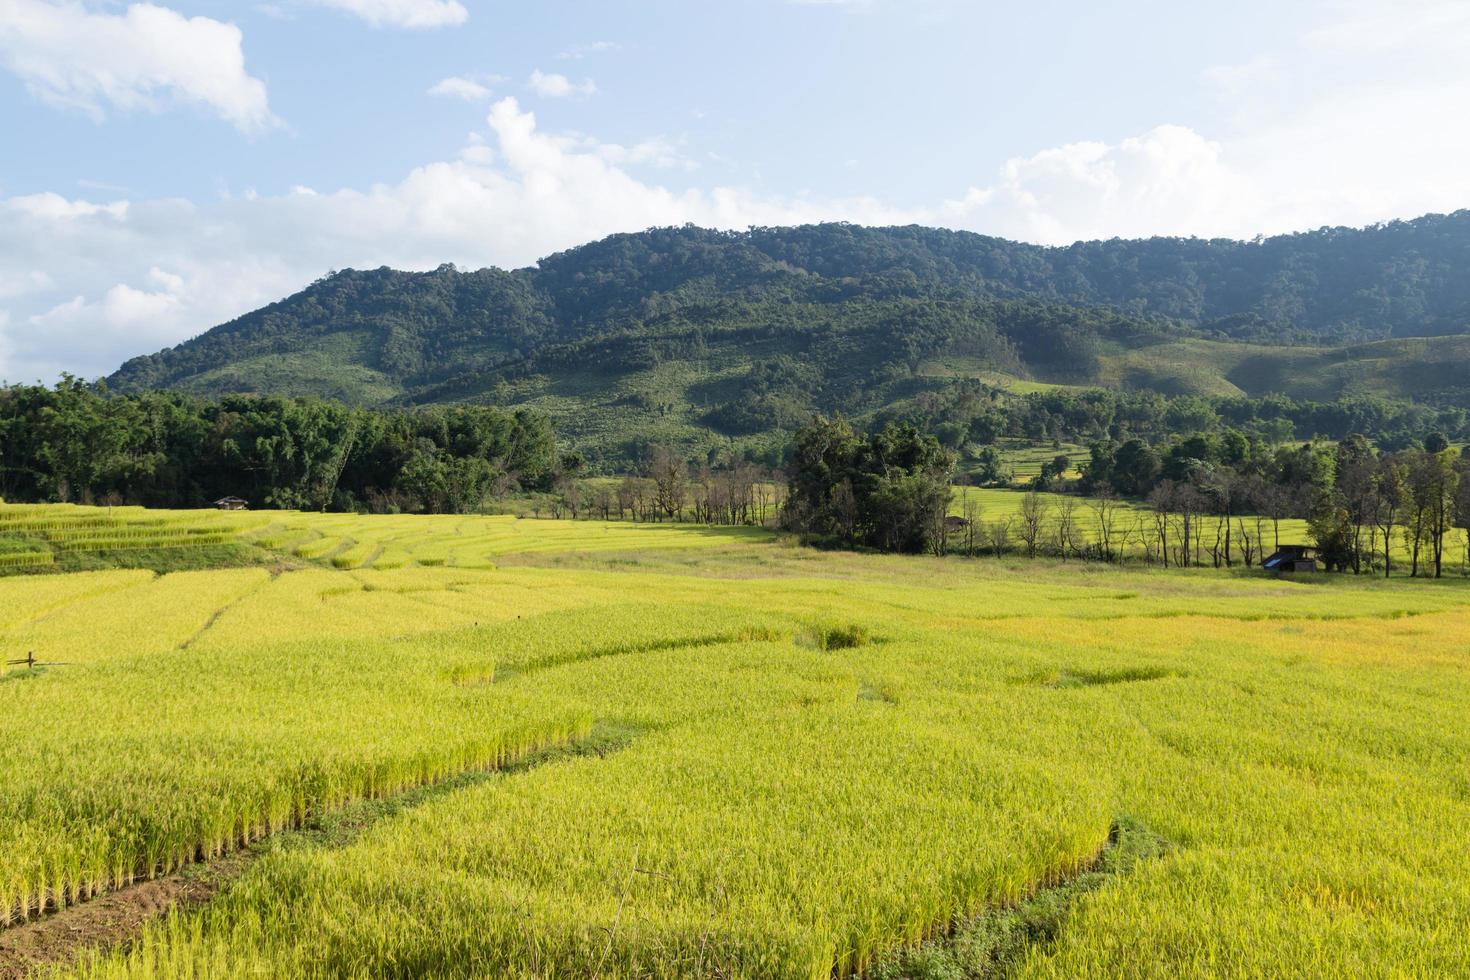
889, 490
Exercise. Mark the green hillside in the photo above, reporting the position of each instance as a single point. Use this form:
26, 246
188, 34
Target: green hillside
709, 339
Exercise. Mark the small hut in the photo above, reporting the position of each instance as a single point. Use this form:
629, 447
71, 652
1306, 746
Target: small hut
231, 503
1290, 559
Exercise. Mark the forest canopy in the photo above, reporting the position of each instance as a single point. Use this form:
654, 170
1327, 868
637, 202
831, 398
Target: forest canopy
163, 449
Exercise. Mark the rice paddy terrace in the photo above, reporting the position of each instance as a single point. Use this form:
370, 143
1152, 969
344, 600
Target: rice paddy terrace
460, 747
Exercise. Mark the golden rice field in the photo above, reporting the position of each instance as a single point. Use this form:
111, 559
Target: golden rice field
821, 758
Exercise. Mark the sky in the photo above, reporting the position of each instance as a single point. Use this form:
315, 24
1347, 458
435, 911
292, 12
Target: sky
167, 166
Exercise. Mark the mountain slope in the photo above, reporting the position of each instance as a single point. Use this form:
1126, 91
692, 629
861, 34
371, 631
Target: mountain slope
703, 337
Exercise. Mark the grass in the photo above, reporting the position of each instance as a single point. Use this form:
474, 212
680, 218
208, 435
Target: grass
1022, 461
826, 763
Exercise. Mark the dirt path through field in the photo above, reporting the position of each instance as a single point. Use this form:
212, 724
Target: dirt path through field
118, 917
114, 918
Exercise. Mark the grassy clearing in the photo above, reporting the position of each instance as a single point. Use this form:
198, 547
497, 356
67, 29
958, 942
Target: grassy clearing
827, 760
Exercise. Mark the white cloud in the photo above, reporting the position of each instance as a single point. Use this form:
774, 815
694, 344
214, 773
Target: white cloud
579, 51
145, 58
1169, 181
126, 278
52, 205
554, 86
461, 87
1347, 124
657, 152
414, 14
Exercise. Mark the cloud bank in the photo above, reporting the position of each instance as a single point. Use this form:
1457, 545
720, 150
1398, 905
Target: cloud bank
146, 58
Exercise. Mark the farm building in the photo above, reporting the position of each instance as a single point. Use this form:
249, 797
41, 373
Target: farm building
1291, 558
232, 503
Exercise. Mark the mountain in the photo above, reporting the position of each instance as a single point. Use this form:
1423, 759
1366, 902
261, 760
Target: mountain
701, 337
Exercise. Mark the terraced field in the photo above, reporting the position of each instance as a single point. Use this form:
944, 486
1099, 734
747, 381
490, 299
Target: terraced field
350, 541
665, 751
38, 536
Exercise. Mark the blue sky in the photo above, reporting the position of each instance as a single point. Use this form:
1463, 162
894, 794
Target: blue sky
166, 166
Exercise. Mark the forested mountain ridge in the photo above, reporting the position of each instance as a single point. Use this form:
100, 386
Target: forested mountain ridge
741, 333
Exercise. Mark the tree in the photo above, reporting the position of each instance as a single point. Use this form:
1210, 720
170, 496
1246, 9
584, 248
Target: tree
1066, 527
971, 509
1444, 482
1462, 506
889, 490
998, 535
1105, 511
1161, 503
1392, 498
1034, 508
1332, 529
670, 476
1357, 493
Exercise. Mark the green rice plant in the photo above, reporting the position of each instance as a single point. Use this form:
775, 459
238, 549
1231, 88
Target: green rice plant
26, 559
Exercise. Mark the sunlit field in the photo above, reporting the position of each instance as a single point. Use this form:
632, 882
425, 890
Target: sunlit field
807, 761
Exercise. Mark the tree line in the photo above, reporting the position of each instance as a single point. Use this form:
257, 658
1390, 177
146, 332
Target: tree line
731, 490
1207, 499
1357, 498
76, 443
970, 416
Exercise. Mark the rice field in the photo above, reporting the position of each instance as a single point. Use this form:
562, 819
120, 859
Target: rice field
349, 541
35, 536
820, 759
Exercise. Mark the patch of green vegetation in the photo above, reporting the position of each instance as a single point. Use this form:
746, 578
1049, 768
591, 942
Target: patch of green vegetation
829, 636
996, 942
166, 560
1098, 678
335, 366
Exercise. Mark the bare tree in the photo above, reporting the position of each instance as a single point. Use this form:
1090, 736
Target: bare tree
1277, 505
1066, 526
670, 477
603, 500
1149, 534
971, 508
568, 496
1247, 544
998, 535
1161, 503
1032, 518
1105, 511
